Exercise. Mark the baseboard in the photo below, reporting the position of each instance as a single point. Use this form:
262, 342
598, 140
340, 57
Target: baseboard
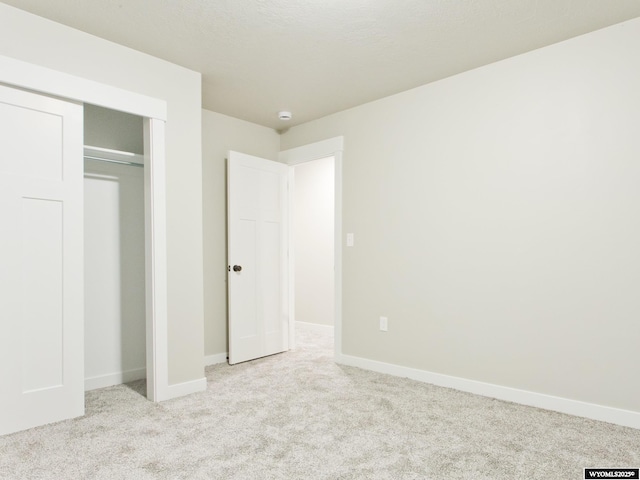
626, 418
186, 388
215, 359
315, 327
102, 381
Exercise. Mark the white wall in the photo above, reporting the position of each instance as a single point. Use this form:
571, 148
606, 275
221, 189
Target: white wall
35, 40
221, 134
496, 216
313, 219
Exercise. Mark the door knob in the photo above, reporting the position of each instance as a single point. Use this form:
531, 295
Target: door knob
237, 268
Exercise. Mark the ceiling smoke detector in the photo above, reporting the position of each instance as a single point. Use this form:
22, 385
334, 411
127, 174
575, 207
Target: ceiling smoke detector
284, 115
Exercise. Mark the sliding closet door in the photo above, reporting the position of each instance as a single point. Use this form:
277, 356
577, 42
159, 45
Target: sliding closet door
41, 260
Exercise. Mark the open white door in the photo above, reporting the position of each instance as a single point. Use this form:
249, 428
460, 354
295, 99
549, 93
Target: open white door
258, 238
41, 260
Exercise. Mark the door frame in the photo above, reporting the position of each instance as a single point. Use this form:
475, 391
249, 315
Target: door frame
16, 73
332, 147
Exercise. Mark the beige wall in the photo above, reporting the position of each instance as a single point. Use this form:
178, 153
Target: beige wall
313, 220
42, 42
220, 134
496, 221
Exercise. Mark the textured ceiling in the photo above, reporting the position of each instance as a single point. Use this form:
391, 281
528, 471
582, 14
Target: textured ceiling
316, 57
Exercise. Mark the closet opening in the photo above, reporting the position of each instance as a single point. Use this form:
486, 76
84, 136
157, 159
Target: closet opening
114, 248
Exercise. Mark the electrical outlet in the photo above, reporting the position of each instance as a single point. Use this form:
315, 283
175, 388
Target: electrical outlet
384, 324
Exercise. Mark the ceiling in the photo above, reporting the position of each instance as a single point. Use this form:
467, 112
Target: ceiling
316, 57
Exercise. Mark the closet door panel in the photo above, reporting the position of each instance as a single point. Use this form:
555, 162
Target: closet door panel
41, 253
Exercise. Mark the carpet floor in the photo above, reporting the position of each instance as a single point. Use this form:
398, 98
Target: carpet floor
298, 415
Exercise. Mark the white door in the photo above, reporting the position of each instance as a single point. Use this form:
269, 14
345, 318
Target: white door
41, 260
258, 238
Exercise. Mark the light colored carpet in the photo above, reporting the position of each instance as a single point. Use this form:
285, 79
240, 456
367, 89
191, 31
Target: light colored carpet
300, 416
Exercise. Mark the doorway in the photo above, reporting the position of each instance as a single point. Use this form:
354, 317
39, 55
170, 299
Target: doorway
331, 147
246, 193
313, 221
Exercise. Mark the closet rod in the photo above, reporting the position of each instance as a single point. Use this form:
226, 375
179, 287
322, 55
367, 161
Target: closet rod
121, 162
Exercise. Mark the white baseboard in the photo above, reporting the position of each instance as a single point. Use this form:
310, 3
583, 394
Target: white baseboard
183, 389
617, 416
102, 381
315, 327
215, 359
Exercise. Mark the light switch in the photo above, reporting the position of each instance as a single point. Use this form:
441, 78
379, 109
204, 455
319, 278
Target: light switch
384, 324
349, 239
